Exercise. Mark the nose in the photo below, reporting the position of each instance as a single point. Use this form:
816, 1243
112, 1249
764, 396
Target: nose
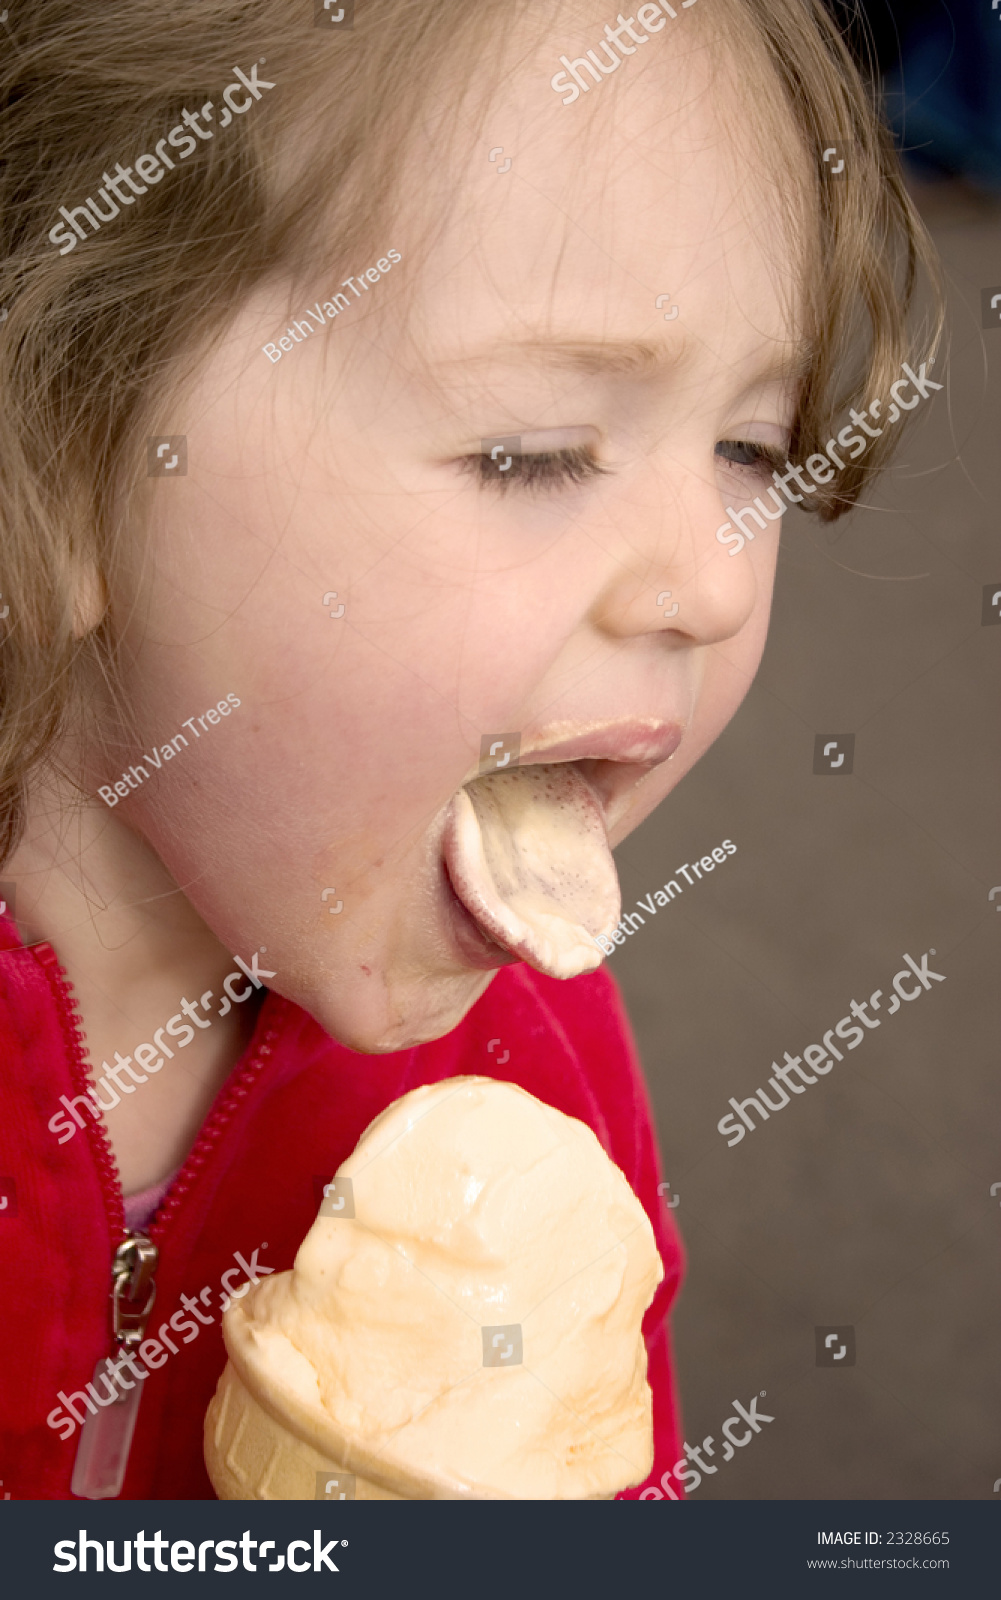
671, 574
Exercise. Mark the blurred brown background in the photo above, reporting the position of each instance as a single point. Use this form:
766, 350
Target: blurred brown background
866, 1201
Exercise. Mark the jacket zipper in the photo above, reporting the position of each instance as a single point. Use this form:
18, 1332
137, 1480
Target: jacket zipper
104, 1159
102, 1455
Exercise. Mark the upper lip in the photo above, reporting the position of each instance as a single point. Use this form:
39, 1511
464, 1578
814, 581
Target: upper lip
637, 741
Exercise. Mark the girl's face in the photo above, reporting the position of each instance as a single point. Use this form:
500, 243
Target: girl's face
468, 605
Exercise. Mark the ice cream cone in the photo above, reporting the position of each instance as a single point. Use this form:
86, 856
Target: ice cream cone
463, 1320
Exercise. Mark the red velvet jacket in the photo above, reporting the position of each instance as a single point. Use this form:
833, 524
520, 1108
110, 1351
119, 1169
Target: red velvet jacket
291, 1110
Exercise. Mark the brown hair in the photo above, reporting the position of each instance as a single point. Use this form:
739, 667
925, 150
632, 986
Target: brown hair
97, 337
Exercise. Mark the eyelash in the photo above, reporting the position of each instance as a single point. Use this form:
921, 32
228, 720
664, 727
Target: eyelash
549, 469
763, 456
560, 469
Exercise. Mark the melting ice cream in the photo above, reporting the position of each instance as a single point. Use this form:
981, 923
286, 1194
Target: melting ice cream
474, 1329
528, 856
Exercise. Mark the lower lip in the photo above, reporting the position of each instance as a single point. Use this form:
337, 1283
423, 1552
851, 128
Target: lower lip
475, 947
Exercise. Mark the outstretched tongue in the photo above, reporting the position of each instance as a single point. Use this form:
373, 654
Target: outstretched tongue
528, 856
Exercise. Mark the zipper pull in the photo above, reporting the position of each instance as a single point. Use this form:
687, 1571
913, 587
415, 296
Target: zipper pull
133, 1269
106, 1437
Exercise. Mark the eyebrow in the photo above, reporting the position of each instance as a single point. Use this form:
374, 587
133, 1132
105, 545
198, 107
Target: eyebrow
591, 356
633, 358
597, 356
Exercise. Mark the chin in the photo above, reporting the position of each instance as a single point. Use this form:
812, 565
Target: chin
382, 1014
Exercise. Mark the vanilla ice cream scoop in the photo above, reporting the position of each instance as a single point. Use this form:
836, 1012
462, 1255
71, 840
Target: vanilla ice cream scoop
465, 1321
527, 853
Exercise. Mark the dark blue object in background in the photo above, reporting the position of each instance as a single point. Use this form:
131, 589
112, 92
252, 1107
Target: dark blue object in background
940, 62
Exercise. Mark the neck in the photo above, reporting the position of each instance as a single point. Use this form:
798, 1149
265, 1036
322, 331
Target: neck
96, 891
134, 948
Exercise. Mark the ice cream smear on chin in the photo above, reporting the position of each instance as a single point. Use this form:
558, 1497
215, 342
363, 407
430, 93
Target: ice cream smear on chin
527, 854
469, 1326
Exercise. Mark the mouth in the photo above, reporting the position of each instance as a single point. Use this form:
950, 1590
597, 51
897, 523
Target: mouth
527, 854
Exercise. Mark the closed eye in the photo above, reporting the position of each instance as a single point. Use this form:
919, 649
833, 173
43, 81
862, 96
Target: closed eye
547, 470
748, 453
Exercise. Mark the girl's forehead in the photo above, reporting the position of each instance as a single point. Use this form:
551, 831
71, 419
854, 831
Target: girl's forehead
646, 187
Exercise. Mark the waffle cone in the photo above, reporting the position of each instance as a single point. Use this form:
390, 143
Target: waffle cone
251, 1456
265, 1440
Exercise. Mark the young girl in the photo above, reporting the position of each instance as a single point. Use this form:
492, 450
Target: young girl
373, 403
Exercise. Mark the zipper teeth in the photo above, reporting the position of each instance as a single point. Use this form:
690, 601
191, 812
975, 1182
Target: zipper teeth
212, 1129
107, 1166
82, 1070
